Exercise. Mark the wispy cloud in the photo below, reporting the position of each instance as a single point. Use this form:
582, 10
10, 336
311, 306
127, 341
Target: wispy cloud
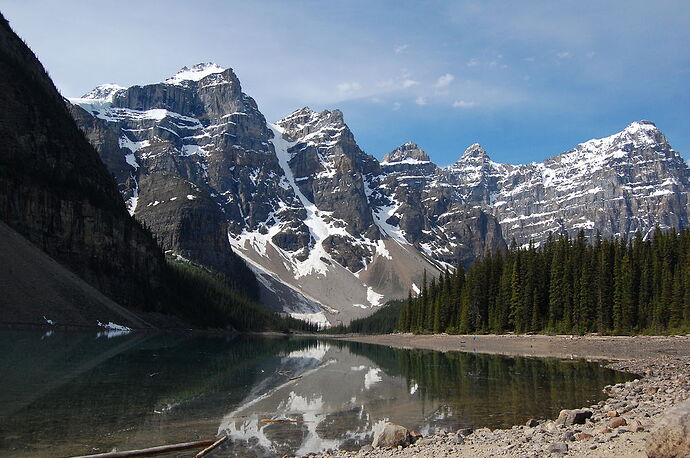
349, 87
464, 104
396, 106
563, 54
401, 49
472, 62
444, 81
409, 83
421, 100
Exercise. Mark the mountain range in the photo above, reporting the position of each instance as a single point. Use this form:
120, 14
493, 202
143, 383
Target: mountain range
330, 231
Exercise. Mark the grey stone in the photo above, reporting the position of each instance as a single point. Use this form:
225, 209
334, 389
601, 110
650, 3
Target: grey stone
392, 435
568, 436
558, 447
573, 417
532, 423
464, 431
671, 435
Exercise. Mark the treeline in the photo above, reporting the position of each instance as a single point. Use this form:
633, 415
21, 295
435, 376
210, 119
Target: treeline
210, 300
568, 286
382, 321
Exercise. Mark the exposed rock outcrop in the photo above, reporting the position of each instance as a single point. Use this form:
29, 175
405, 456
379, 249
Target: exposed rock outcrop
56, 192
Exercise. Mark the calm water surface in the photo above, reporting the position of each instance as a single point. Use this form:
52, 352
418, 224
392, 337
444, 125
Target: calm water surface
77, 393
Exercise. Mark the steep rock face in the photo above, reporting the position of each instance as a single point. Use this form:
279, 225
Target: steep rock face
330, 170
55, 191
293, 198
187, 220
431, 213
628, 182
194, 134
326, 225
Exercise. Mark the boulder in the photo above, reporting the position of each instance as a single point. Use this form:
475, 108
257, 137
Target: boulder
392, 435
583, 436
671, 436
415, 436
573, 417
464, 431
616, 422
558, 447
532, 423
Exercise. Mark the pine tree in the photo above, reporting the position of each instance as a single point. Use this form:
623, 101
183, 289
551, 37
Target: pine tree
517, 297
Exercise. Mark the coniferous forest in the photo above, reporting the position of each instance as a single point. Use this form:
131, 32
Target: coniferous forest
612, 286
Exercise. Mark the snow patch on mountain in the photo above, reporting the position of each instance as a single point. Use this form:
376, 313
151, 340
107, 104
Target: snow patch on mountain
195, 73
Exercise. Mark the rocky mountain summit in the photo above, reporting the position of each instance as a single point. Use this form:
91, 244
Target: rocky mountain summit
628, 182
331, 231
198, 164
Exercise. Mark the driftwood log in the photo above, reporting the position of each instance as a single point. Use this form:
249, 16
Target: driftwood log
208, 449
154, 450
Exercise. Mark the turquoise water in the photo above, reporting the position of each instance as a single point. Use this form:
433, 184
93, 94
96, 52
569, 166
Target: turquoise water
67, 393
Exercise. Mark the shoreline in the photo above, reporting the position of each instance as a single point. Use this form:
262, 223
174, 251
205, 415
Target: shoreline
620, 425
590, 347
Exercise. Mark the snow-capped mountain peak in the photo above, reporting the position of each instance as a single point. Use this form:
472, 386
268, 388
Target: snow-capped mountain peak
195, 73
636, 135
103, 93
408, 152
323, 128
473, 153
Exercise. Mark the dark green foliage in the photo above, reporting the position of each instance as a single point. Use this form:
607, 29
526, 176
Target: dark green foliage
209, 300
567, 286
383, 321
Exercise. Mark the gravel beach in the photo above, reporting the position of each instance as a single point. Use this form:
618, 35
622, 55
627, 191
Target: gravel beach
618, 426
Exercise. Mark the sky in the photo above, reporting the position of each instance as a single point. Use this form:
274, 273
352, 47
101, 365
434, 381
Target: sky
526, 79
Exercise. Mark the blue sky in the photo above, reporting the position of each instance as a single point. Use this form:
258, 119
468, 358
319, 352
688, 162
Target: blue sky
526, 79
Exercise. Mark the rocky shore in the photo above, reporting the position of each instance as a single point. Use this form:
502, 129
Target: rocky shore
625, 424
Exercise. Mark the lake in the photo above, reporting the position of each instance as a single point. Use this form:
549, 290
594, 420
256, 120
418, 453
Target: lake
67, 393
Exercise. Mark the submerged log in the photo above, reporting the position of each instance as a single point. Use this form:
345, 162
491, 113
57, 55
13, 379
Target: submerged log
152, 450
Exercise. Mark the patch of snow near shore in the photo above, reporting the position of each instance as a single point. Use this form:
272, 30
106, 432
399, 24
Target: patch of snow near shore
112, 330
315, 318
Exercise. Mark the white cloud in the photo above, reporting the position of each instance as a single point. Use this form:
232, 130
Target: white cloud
420, 100
396, 106
375, 100
444, 80
563, 54
348, 87
472, 62
409, 83
464, 104
401, 49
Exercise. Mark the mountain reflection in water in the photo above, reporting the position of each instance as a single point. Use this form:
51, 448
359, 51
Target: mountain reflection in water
76, 393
